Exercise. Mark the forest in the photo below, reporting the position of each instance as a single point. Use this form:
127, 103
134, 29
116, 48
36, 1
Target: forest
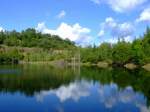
30, 45
137, 52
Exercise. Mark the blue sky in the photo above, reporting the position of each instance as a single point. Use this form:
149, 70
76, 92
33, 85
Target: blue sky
83, 21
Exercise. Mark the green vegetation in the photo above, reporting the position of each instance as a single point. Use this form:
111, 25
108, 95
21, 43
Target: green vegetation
137, 52
30, 45
32, 38
10, 56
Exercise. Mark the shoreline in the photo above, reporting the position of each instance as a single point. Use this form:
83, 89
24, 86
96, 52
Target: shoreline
103, 64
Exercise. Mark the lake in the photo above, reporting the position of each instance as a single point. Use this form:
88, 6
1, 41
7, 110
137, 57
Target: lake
42, 88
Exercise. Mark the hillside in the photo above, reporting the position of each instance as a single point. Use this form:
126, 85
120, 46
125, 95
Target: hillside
30, 45
31, 38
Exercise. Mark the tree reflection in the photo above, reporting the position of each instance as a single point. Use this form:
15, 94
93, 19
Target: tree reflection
31, 79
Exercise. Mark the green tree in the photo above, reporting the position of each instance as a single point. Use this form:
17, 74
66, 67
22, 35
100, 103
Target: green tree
122, 52
105, 52
2, 37
146, 46
138, 54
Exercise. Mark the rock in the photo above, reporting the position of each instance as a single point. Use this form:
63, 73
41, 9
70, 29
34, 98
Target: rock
130, 66
103, 64
146, 67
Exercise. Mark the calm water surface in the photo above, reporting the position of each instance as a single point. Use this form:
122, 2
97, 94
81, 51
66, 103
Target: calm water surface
42, 88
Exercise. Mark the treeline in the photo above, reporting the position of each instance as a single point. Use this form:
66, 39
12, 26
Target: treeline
137, 52
30, 45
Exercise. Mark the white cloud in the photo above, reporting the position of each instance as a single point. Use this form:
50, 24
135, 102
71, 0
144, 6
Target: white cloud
122, 30
75, 32
62, 14
96, 1
144, 16
110, 22
117, 30
101, 33
2, 29
121, 5
124, 5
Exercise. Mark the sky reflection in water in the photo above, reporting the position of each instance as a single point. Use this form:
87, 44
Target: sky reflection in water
106, 97
55, 90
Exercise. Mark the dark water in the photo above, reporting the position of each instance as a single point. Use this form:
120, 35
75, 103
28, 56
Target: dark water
41, 88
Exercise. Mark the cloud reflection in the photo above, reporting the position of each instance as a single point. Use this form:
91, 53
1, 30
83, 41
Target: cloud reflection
110, 95
73, 91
